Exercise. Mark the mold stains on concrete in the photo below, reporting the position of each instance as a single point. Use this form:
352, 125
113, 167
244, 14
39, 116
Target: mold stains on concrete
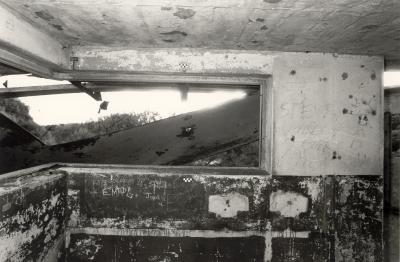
188, 132
184, 13
301, 218
363, 120
288, 204
173, 36
166, 8
166, 249
293, 72
292, 138
323, 79
44, 15
345, 76
261, 20
86, 248
350, 96
228, 205
358, 221
272, 1
33, 221
369, 27
315, 249
264, 27
345, 111
373, 76
144, 214
335, 156
58, 27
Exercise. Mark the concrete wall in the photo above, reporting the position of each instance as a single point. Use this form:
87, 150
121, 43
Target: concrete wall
238, 213
327, 135
328, 108
113, 213
241, 213
32, 216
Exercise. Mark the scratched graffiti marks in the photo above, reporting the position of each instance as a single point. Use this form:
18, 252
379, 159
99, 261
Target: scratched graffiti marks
342, 221
361, 108
141, 196
358, 219
32, 220
170, 198
172, 249
315, 248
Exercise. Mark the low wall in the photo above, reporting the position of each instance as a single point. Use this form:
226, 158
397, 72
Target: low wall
32, 211
203, 214
117, 213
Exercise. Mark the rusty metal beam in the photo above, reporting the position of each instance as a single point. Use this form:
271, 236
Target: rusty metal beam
28, 48
96, 95
108, 87
173, 141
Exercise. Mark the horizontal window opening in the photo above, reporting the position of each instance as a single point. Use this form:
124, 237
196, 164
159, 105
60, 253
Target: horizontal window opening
191, 126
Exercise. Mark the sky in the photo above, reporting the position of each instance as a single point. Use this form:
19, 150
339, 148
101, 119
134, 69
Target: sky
78, 108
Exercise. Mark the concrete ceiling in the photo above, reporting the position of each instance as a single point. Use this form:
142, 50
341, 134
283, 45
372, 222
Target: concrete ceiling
340, 26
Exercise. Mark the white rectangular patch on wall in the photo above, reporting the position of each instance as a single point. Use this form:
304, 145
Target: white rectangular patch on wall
228, 205
288, 204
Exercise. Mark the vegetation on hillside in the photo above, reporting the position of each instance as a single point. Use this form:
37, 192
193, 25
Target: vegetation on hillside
246, 155
57, 134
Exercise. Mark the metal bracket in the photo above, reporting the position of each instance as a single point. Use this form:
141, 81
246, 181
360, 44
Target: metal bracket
74, 60
96, 95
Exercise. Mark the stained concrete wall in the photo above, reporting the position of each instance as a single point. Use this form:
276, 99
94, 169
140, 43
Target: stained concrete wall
327, 120
32, 216
204, 214
188, 214
327, 108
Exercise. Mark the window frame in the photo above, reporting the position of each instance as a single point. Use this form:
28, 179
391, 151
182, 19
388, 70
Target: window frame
263, 81
150, 80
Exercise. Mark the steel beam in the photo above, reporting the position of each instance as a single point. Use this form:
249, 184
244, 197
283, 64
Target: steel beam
96, 95
108, 87
25, 47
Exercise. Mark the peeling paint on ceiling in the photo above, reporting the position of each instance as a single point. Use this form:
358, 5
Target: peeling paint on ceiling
345, 26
